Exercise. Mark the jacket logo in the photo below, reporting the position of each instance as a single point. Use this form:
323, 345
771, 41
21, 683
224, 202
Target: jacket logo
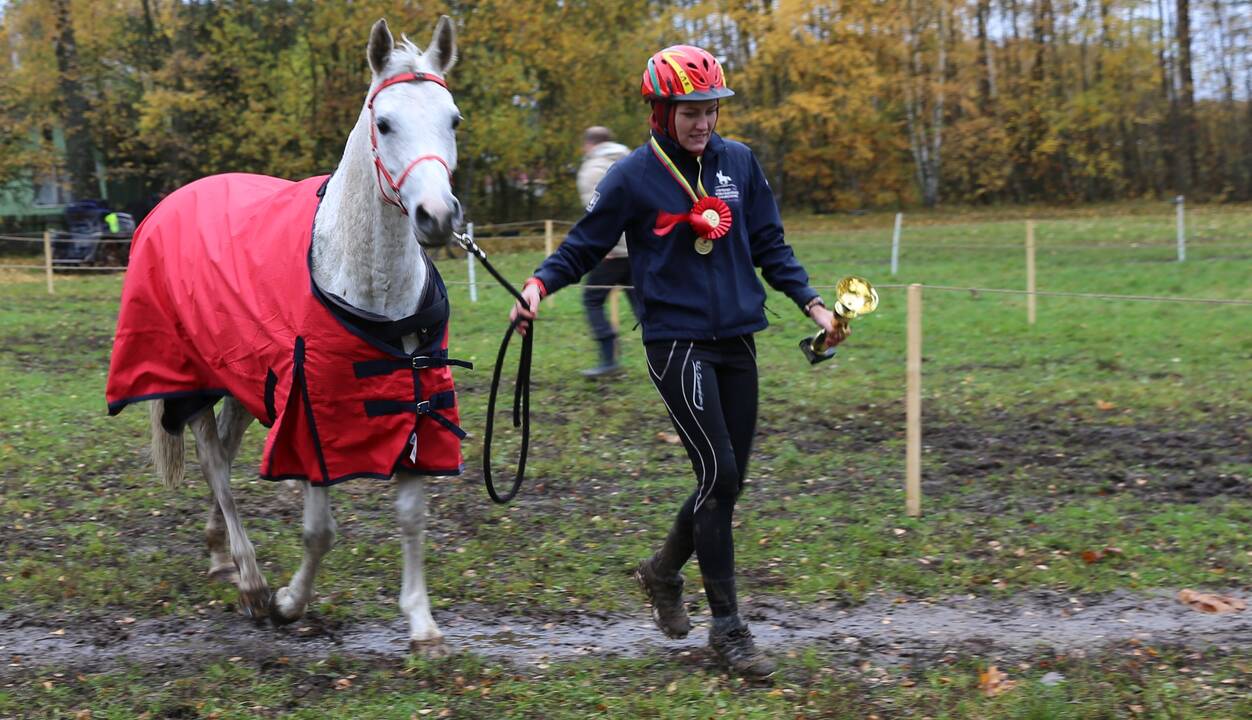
725, 189
595, 196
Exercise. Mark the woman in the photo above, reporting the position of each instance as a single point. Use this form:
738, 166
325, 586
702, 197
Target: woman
693, 255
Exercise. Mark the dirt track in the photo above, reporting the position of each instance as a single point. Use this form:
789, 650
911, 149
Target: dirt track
884, 631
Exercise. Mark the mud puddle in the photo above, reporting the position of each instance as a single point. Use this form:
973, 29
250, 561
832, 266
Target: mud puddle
885, 630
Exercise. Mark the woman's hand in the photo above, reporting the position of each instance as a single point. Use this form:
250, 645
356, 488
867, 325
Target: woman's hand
532, 295
836, 329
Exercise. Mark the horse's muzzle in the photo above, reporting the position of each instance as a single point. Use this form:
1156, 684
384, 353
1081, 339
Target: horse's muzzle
434, 227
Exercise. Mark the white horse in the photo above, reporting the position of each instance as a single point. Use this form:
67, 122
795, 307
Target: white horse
389, 198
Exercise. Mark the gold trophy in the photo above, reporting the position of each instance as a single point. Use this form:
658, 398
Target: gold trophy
854, 297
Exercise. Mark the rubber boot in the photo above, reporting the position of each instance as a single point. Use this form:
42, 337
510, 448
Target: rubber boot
608, 360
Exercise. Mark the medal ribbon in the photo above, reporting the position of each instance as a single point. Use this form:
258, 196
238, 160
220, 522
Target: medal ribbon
709, 216
678, 176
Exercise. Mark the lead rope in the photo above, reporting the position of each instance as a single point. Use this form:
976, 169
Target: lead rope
521, 389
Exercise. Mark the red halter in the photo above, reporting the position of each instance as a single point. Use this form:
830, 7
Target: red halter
380, 172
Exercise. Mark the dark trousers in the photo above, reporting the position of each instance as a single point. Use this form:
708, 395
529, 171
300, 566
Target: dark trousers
710, 391
610, 271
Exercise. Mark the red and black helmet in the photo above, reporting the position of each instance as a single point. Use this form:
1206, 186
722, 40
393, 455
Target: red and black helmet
684, 73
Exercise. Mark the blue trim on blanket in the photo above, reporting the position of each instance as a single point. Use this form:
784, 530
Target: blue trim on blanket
432, 472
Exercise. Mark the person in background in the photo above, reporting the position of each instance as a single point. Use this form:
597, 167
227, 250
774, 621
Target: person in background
699, 219
599, 154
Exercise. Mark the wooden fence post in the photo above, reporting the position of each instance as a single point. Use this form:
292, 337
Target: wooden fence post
1030, 272
547, 238
614, 318
913, 406
47, 258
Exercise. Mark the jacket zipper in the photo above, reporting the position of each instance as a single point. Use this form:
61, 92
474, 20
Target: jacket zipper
709, 278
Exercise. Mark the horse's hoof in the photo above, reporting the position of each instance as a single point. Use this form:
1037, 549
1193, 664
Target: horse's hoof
430, 649
277, 616
225, 574
256, 605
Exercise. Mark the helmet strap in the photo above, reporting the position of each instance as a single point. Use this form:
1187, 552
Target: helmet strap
664, 118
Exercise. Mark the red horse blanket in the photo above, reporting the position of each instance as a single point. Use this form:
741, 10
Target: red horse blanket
219, 300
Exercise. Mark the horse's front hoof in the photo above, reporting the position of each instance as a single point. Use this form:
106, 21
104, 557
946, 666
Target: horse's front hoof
280, 613
226, 573
430, 649
255, 604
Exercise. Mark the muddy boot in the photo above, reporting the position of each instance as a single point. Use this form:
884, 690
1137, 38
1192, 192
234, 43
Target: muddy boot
666, 597
731, 639
608, 360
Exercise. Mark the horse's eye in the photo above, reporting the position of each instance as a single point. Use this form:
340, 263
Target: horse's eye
456, 122
384, 127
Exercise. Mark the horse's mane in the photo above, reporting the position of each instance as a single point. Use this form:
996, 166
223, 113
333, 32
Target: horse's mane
406, 52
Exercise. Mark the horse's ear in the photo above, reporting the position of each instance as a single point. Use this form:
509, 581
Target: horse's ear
380, 47
442, 50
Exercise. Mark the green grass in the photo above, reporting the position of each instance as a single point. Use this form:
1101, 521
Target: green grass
1141, 682
1108, 423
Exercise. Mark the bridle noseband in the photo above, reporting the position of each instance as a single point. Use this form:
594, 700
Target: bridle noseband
380, 171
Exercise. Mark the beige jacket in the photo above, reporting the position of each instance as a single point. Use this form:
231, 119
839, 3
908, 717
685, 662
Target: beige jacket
595, 164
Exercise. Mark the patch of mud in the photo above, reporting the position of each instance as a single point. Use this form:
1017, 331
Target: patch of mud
884, 630
1161, 462
30, 352
1074, 455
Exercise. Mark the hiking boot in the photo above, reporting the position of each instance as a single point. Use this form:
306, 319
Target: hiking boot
737, 650
608, 360
666, 598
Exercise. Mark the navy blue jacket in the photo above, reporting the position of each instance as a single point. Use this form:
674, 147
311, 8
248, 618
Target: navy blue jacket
685, 295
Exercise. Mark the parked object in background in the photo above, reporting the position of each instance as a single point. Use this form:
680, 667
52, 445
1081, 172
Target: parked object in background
91, 231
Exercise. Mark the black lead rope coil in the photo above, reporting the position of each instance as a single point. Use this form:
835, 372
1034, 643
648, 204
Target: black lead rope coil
521, 389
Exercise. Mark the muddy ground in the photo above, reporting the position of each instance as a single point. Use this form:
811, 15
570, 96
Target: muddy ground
1164, 463
886, 631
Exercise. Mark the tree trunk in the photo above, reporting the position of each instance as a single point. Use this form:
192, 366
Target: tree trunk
80, 158
920, 84
984, 59
1186, 101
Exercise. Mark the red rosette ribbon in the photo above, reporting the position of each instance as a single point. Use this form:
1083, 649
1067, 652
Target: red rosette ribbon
710, 218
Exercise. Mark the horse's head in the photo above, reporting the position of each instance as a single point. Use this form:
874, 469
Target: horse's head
413, 121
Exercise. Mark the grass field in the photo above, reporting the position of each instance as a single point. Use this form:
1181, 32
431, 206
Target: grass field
1108, 424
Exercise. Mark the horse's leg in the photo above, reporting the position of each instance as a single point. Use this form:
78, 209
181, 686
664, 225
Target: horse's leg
231, 423
319, 535
221, 564
424, 635
215, 464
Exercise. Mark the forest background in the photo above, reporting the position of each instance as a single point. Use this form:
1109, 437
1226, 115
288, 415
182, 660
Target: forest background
849, 105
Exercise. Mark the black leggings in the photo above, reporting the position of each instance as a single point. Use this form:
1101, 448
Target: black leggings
710, 390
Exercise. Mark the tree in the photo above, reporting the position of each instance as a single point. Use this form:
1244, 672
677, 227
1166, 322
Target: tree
80, 157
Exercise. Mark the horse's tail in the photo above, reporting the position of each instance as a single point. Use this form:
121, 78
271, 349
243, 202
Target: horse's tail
168, 452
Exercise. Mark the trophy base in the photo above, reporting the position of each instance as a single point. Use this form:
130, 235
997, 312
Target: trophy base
806, 346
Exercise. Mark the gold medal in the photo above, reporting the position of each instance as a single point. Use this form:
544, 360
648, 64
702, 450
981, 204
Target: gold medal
704, 246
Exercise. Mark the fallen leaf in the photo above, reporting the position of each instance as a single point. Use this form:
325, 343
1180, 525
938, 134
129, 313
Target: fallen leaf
670, 438
344, 683
1105, 405
1095, 556
1211, 603
992, 682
